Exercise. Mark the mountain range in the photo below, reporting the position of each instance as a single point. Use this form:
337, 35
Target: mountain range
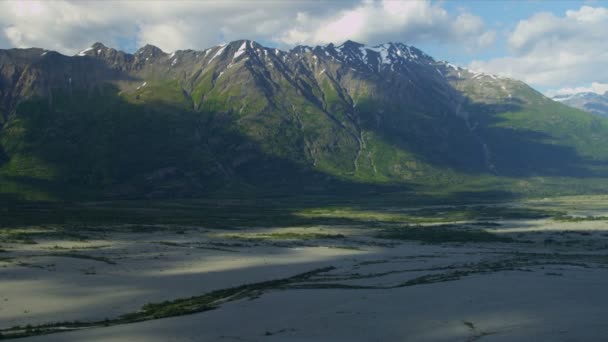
244, 117
587, 101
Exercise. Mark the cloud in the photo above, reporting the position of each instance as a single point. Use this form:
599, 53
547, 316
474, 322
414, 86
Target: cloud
555, 51
69, 26
376, 22
61, 25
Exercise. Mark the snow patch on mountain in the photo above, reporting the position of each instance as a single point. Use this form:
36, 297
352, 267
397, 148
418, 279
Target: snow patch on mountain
219, 52
83, 52
240, 51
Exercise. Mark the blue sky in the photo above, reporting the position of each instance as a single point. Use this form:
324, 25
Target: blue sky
555, 46
502, 16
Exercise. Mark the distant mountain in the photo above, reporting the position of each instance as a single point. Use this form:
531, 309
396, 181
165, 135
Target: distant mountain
247, 117
589, 102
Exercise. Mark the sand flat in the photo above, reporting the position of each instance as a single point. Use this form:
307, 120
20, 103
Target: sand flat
547, 284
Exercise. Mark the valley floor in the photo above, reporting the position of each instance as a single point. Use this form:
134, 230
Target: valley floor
531, 271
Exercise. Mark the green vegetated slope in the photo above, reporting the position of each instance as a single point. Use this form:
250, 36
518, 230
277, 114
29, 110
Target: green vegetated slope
530, 135
242, 118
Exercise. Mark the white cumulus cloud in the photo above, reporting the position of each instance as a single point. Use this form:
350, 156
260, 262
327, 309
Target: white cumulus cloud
69, 26
551, 51
380, 21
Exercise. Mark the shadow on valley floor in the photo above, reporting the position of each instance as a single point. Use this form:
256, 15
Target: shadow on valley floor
371, 209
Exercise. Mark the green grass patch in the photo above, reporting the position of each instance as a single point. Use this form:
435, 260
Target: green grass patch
297, 236
440, 234
84, 256
566, 218
481, 213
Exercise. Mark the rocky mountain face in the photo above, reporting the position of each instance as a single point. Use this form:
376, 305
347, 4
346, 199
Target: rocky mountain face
589, 102
246, 116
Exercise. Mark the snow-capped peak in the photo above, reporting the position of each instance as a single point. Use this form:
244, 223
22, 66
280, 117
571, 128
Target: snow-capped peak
385, 54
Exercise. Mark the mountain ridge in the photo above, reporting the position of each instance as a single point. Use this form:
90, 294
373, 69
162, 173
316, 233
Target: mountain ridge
248, 115
588, 101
